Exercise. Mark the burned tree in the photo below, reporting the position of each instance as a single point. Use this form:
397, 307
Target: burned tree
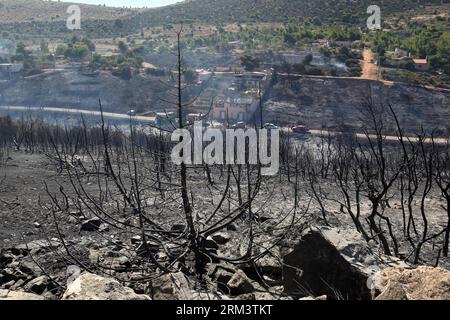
442, 178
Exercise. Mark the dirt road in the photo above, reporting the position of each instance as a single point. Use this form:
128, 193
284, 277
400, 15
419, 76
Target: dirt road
369, 69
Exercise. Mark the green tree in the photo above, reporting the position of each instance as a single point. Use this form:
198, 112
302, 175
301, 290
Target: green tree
308, 59
24, 55
123, 47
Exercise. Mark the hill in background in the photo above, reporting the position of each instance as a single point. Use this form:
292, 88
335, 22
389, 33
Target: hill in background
44, 17
25, 11
219, 11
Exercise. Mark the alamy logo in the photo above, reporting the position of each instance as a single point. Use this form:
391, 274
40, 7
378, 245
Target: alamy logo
374, 21
248, 146
74, 20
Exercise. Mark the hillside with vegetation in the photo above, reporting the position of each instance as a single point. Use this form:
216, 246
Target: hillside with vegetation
43, 16
323, 11
28, 11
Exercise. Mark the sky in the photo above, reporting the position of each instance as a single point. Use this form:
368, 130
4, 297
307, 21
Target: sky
128, 3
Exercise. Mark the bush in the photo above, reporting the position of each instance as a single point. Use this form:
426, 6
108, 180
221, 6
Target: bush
299, 68
408, 65
308, 59
351, 63
124, 72
249, 63
355, 71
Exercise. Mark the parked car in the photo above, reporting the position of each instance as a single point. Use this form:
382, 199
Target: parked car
131, 113
239, 125
270, 126
300, 130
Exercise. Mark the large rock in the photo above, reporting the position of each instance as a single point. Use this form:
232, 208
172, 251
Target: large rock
422, 283
171, 286
16, 295
89, 286
336, 263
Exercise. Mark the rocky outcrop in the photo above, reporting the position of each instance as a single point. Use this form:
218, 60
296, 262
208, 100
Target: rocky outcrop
89, 286
336, 263
323, 263
422, 283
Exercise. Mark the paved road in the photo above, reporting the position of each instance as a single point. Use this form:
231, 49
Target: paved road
79, 111
318, 133
363, 136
